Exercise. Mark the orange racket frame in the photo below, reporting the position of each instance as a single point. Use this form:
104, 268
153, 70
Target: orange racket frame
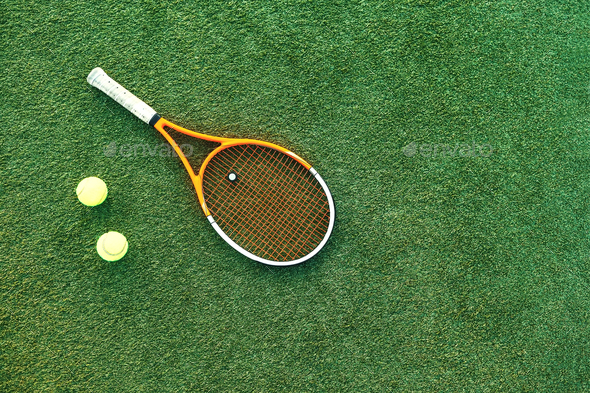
225, 143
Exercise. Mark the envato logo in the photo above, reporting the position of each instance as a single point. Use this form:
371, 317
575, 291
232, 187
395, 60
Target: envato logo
144, 150
445, 150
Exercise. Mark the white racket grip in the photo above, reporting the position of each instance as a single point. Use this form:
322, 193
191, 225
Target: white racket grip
99, 79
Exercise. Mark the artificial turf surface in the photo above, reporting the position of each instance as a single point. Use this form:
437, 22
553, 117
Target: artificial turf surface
444, 272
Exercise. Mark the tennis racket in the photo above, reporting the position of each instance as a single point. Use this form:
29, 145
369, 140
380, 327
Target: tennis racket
262, 199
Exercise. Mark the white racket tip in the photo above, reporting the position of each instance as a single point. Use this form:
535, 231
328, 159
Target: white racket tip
94, 74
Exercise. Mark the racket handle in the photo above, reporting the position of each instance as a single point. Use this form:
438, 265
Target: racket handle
99, 79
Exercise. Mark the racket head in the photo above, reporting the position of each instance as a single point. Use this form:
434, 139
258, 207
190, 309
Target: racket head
266, 202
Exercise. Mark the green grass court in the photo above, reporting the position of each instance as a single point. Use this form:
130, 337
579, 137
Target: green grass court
447, 271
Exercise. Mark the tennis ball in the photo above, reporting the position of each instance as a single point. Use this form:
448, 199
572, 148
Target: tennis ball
112, 246
92, 191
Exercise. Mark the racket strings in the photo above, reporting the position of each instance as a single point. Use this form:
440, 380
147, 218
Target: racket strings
262, 206
286, 198
289, 201
275, 208
267, 202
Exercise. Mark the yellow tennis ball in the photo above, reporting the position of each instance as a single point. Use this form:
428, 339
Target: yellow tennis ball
112, 246
92, 191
